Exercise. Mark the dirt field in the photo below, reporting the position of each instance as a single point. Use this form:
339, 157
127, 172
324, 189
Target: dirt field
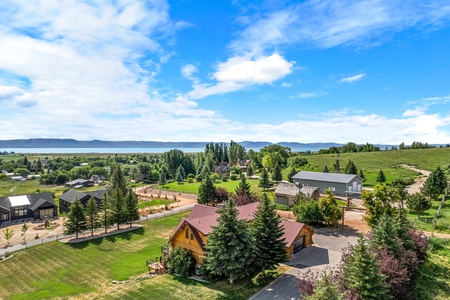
147, 193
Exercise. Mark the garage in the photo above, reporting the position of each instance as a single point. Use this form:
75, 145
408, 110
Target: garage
299, 244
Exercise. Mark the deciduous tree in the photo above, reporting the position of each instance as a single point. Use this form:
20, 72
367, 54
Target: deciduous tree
8, 233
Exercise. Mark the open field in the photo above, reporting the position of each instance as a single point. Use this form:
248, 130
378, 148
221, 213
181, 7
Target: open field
86, 270
425, 221
230, 185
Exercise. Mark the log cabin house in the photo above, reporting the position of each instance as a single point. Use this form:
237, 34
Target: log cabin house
192, 232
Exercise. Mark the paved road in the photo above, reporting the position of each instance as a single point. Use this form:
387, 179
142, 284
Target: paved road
17, 247
326, 251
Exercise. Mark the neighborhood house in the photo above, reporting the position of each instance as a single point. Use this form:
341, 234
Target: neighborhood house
69, 197
192, 232
36, 206
338, 184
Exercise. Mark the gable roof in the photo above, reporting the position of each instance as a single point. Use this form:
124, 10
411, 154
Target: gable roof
30, 199
71, 195
39, 203
98, 194
286, 188
327, 177
291, 230
76, 181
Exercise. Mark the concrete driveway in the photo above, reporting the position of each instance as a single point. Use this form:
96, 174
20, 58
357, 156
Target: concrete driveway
326, 251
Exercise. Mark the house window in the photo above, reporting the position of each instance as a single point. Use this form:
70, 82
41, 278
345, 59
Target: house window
21, 211
192, 236
186, 233
332, 188
46, 212
5, 217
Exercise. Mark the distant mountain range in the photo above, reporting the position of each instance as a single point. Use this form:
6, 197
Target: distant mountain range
71, 143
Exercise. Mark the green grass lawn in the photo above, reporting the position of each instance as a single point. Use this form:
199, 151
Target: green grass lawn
433, 283
193, 187
425, 221
154, 202
59, 270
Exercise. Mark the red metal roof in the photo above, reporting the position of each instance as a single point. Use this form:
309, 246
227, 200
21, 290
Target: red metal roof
291, 230
201, 210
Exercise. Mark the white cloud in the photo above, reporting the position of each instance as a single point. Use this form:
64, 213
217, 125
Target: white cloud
353, 78
240, 72
7, 92
188, 70
418, 111
306, 95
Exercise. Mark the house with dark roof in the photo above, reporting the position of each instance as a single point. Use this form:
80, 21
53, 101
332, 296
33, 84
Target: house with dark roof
192, 232
69, 197
36, 206
286, 192
243, 164
79, 183
222, 170
338, 184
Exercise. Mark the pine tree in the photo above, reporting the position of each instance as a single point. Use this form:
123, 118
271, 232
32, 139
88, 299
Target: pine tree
131, 207
162, 178
337, 166
179, 177
118, 213
380, 177
106, 212
118, 180
76, 219
350, 168
435, 184
361, 174
92, 215
268, 232
291, 174
418, 203
325, 169
276, 173
206, 191
362, 273
264, 182
181, 170
249, 171
243, 187
384, 236
230, 248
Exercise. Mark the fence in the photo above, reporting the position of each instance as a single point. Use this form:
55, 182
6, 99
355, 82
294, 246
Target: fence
40, 241
172, 190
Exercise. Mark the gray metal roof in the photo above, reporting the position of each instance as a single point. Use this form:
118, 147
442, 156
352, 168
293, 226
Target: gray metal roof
71, 195
326, 177
33, 198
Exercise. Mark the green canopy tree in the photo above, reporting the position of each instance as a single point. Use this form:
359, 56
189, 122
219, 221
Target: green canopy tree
131, 207
8, 233
93, 218
24, 230
230, 248
268, 232
291, 174
325, 289
361, 174
418, 203
331, 212
76, 219
206, 191
362, 275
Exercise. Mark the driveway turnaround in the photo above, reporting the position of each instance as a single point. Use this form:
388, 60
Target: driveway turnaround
327, 251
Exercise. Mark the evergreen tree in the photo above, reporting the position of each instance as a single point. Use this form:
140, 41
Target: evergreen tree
106, 212
325, 169
325, 289
268, 232
179, 177
181, 170
205, 171
76, 219
276, 173
350, 168
230, 248
118, 180
380, 177
362, 273
384, 236
118, 213
243, 187
435, 184
337, 166
361, 174
39, 167
92, 215
162, 178
25, 161
206, 191
249, 171
131, 207
264, 181
418, 203
292, 172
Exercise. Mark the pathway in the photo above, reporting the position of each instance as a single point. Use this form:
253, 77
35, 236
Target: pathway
419, 181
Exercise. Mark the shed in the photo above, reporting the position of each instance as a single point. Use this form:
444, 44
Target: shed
338, 184
286, 192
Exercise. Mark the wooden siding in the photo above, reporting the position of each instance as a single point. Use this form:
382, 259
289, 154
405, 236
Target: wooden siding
307, 233
179, 240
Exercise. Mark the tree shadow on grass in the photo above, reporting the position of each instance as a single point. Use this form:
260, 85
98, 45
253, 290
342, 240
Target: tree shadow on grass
84, 244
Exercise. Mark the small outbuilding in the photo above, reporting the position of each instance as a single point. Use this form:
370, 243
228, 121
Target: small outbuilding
338, 184
286, 192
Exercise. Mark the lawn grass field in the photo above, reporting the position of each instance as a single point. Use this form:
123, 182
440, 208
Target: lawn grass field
86, 270
193, 187
425, 222
433, 283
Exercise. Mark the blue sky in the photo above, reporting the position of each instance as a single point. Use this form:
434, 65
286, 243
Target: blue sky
296, 71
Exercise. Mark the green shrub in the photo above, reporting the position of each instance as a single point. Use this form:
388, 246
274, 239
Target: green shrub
283, 207
181, 261
199, 178
190, 175
190, 180
224, 179
233, 177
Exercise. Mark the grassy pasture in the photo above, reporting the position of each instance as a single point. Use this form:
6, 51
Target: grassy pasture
230, 185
